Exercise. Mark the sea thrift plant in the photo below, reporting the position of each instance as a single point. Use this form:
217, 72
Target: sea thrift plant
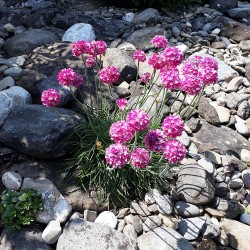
129, 144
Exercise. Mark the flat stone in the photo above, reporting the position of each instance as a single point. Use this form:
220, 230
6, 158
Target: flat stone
152, 222
12, 180
13, 71
107, 218
170, 221
7, 82
163, 238
52, 232
163, 202
234, 84
207, 164
186, 209
84, 235
139, 208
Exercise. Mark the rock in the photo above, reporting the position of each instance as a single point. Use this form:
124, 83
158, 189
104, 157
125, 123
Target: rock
13, 71
207, 164
152, 222
129, 17
9, 27
208, 112
84, 235
7, 82
221, 190
27, 238
232, 29
149, 198
55, 207
169, 221
191, 228
234, 84
136, 221
121, 225
186, 209
237, 233
43, 138
240, 13
130, 232
141, 39
233, 99
245, 156
225, 72
11, 99
175, 31
139, 208
245, 45
196, 189
15, 61
216, 137
25, 42
79, 32
52, 232
12, 180
163, 238
236, 183
245, 218
149, 16
213, 157
124, 63
223, 113
211, 230
107, 218
163, 202
230, 209
246, 178
214, 212
90, 215
244, 110
153, 209
242, 128
223, 5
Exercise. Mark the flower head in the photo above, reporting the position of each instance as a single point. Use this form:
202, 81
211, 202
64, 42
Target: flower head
174, 151
120, 132
145, 77
90, 61
121, 103
117, 155
138, 119
140, 158
155, 140
139, 55
173, 56
171, 79
100, 47
50, 98
109, 75
67, 77
172, 126
78, 48
160, 41
157, 61
191, 84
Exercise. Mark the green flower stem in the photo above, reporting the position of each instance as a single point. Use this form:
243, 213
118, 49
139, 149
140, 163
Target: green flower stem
182, 103
161, 158
175, 99
155, 99
66, 116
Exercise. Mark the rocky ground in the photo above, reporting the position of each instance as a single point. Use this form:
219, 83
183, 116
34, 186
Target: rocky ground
206, 202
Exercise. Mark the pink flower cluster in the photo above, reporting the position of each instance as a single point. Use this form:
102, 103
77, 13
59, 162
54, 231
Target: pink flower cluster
173, 56
157, 60
174, 151
93, 48
160, 41
139, 55
50, 98
171, 79
67, 77
138, 119
109, 75
140, 158
120, 132
155, 140
172, 126
121, 103
145, 77
90, 61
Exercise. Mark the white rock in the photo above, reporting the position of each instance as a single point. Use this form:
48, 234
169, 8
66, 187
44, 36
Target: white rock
12, 180
149, 198
7, 82
216, 31
129, 17
107, 218
245, 218
242, 128
9, 27
130, 232
221, 101
183, 48
207, 164
184, 138
121, 225
245, 156
213, 157
78, 32
223, 113
52, 232
234, 84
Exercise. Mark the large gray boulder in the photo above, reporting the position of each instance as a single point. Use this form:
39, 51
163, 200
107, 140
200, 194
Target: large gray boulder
223, 5
195, 185
83, 235
149, 16
27, 238
39, 131
163, 238
25, 42
241, 12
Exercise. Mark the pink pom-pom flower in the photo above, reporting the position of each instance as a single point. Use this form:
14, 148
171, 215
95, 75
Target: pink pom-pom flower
171, 79
120, 132
67, 77
174, 151
117, 155
100, 47
109, 75
145, 77
139, 55
155, 140
173, 126
191, 84
157, 61
121, 103
140, 158
79, 48
137, 119
50, 98
160, 41
90, 61
173, 56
